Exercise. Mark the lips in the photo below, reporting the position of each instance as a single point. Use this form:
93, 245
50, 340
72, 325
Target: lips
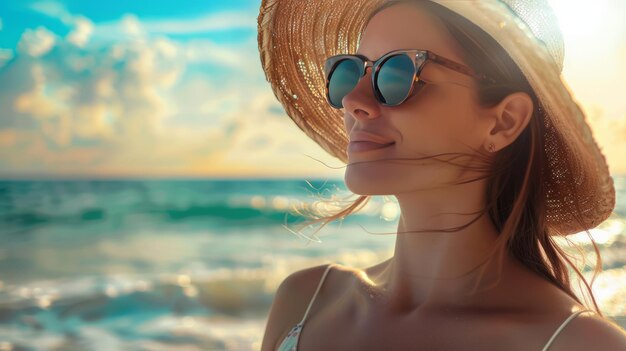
365, 141
360, 146
362, 135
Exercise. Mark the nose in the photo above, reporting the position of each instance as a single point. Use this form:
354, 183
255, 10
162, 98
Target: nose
361, 102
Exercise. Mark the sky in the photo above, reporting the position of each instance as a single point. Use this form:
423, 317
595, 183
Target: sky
176, 89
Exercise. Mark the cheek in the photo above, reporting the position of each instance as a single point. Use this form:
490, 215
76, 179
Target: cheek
455, 124
434, 129
463, 122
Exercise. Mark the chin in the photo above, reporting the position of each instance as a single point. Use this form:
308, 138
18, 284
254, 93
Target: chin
364, 180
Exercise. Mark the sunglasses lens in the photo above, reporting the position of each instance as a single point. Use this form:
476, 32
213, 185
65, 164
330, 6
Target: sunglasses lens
342, 80
394, 79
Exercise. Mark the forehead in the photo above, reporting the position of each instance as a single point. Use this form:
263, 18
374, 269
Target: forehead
406, 26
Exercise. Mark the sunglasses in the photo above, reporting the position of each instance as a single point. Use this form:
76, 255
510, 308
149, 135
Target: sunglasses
394, 77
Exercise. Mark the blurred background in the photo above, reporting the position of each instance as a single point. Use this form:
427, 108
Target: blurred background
147, 173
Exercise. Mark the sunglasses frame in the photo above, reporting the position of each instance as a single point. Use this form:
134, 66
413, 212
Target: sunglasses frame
419, 58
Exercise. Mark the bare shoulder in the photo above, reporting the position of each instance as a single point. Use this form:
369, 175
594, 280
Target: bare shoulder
290, 303
590, 331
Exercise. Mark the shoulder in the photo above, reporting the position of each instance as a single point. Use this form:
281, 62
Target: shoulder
297, 289
589, 331
302, 280
290, 302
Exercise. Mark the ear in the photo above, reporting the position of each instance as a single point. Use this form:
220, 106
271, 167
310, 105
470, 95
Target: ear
511, 116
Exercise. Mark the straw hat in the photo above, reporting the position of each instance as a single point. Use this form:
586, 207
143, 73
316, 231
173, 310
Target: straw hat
296, 36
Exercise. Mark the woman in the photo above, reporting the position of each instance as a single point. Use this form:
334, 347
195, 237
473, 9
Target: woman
455, 108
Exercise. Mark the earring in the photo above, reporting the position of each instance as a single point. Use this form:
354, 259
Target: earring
492, 147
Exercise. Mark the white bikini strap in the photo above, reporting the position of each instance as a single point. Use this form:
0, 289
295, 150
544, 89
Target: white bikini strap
572, 316
316, 291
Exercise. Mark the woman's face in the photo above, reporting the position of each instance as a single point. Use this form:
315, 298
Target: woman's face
441, 118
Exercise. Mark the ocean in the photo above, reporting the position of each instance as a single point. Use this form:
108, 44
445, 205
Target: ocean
189, 264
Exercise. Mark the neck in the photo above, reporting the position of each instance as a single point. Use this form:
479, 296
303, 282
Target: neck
443, 255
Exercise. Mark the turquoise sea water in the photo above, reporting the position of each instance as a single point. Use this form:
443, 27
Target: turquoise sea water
186, 264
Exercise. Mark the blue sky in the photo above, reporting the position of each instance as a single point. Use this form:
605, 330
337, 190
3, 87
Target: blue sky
160, 88
26, 14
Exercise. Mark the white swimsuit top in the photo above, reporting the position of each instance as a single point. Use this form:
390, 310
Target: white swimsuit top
290, 342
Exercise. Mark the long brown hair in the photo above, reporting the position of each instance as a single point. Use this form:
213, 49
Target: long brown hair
516, 194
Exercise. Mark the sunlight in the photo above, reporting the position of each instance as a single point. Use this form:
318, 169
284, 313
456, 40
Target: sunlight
577, 18
583, 25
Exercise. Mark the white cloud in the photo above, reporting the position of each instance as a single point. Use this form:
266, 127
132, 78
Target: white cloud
82, 26
36, 42
121, 97
130, 25
35, 102
207, 51
5, 56
52, 9
132, 29
82, 31
210, 23
127, 28
166, 47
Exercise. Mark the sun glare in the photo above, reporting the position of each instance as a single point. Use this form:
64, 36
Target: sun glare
582, 24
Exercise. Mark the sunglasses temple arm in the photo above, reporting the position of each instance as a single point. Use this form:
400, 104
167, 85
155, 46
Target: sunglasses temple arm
457, 67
